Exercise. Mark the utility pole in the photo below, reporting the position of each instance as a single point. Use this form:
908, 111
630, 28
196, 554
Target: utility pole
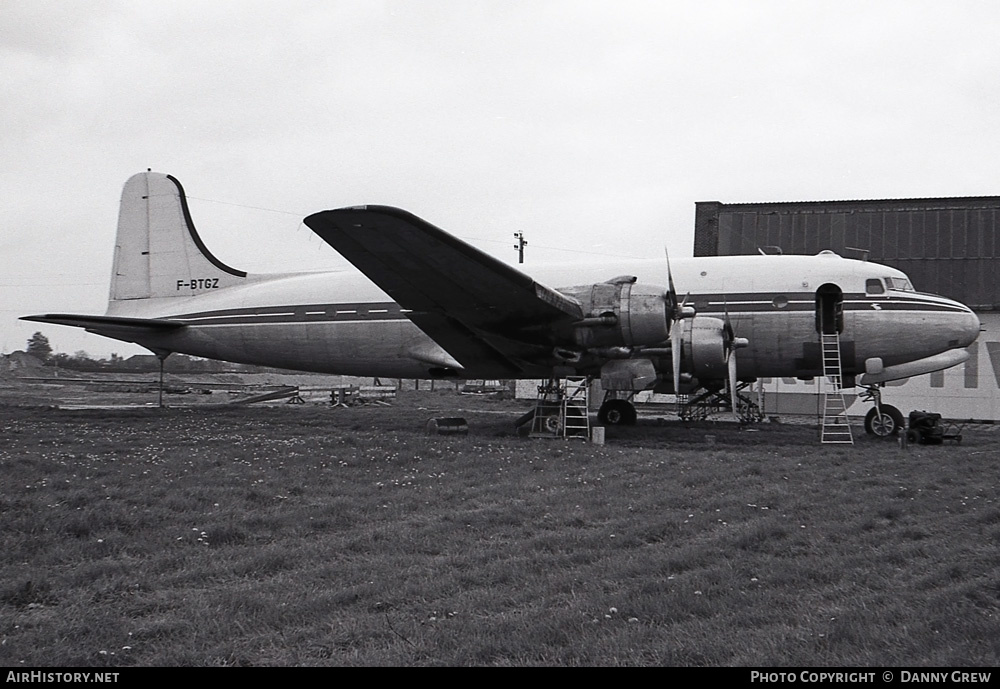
521, 243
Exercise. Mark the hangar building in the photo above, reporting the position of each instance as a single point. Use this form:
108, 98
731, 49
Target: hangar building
947, 246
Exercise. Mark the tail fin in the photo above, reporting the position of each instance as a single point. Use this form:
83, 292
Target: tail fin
158, 252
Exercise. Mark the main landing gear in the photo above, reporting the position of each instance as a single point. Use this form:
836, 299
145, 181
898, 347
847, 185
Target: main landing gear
617, 412
882, 420
618, 409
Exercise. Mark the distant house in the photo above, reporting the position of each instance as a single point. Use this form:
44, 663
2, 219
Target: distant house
20, 361
141, 362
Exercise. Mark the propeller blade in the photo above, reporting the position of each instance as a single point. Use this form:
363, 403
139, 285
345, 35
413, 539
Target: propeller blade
731, 363
677, 311
671, 291
675, 353
732, 345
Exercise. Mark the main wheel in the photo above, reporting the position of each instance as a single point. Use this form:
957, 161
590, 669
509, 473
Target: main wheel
551, 424
883, 425
617, 413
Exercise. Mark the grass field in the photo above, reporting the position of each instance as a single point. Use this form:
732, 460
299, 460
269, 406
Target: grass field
313, 536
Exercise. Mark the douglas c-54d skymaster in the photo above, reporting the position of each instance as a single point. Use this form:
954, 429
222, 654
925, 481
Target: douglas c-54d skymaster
427, 305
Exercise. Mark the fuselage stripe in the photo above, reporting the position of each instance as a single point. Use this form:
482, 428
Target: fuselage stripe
743, 304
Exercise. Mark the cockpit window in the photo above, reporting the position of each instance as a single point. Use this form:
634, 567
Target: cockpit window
874, 286
899, 284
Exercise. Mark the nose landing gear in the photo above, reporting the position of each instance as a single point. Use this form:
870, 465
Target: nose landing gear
882, 420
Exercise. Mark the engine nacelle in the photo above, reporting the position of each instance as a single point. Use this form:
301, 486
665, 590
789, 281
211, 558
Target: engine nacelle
705, 341
621, 312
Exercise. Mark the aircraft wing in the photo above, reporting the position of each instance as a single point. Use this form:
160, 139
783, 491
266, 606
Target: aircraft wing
475, 306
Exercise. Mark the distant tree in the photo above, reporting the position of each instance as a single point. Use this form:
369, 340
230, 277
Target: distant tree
39, 347
81, 361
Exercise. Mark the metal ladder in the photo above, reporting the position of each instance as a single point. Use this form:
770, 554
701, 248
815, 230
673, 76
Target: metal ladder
835, 427
562, 409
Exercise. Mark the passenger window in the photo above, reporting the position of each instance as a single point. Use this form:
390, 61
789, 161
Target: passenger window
874, 286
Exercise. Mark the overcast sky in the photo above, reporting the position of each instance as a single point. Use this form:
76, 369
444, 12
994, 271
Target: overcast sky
590, 126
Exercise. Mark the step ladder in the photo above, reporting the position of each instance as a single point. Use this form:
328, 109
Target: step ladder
562, 409
701, 407
836, 427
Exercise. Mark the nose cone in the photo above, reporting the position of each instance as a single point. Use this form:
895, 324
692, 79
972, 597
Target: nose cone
963, 326
969, 329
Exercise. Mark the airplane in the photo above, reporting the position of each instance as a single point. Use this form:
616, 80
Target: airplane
424, 304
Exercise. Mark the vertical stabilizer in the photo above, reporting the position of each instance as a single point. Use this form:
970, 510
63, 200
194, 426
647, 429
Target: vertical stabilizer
158, 252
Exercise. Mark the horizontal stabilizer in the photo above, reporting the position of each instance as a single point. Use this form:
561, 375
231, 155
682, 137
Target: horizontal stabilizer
101, 324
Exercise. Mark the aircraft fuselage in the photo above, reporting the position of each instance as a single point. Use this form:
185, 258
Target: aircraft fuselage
339, 322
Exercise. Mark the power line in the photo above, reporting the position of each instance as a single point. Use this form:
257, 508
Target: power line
53, 284
474, 239
555, 248
255, 208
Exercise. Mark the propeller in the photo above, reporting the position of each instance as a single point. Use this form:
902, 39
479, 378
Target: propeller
679, 310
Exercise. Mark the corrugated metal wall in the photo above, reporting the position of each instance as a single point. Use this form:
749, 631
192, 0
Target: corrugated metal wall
946, 246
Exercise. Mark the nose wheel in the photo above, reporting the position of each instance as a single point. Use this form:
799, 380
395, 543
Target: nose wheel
882, 420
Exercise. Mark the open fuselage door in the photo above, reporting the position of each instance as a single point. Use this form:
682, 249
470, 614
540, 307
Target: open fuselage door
829, 309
